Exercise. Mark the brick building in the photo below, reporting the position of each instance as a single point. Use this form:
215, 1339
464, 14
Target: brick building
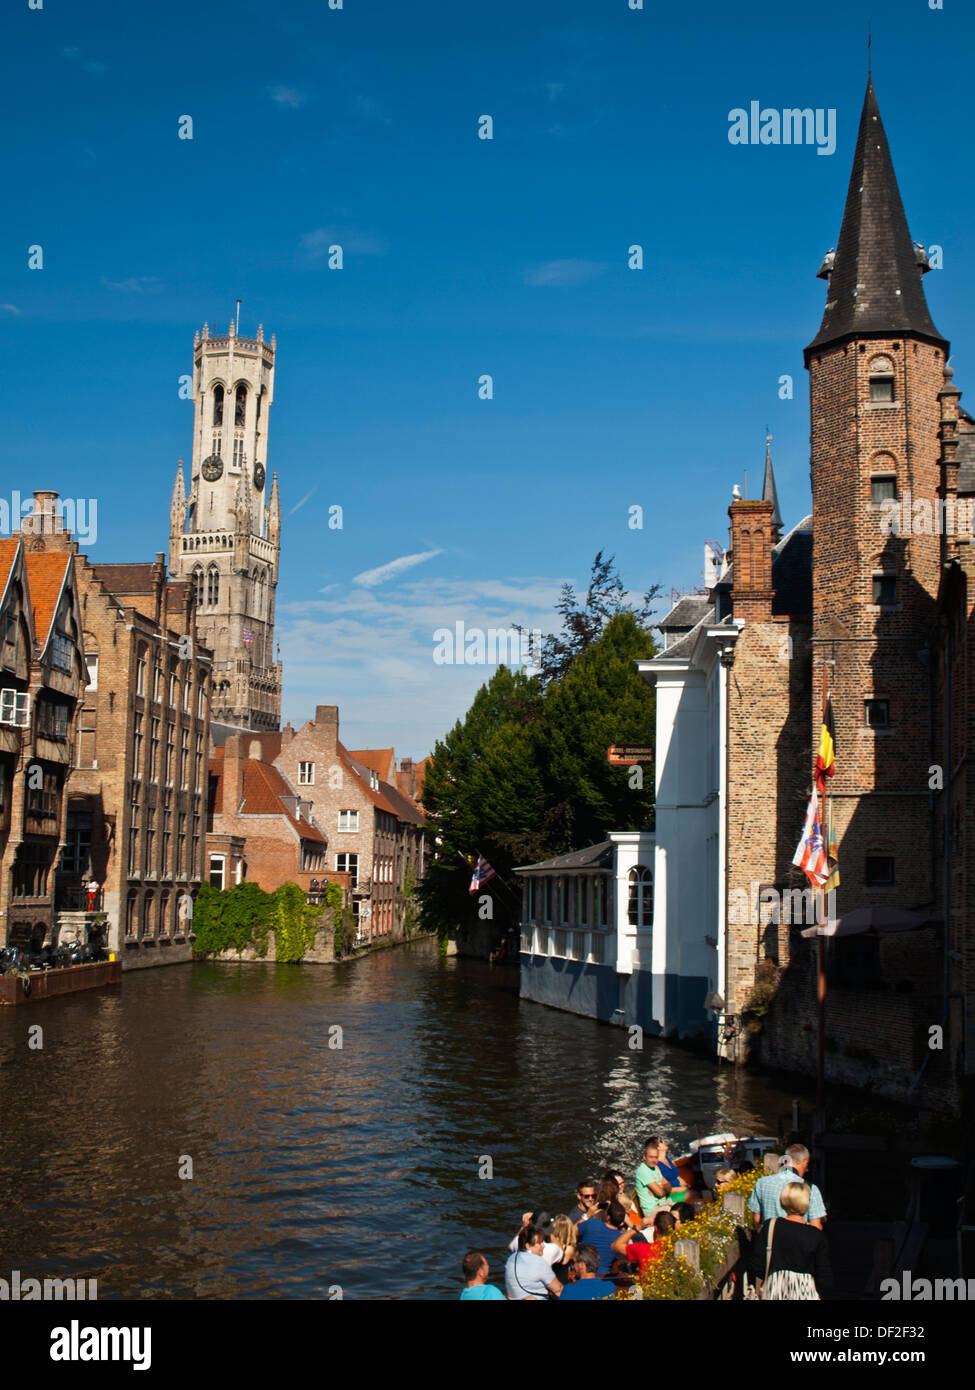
375, 830
259, 827
884, 608
42, 675
137, 792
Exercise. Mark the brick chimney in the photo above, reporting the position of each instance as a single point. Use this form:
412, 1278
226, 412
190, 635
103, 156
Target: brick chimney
408, 771
45, 520
233, 774
159, 588
327, 721
752, 540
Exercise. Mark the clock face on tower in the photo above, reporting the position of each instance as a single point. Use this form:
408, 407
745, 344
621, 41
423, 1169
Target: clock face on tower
259, 476
212, 468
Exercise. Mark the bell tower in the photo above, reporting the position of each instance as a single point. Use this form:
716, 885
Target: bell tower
224, 533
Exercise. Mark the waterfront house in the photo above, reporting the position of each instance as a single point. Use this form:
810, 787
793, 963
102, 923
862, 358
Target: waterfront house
587, 937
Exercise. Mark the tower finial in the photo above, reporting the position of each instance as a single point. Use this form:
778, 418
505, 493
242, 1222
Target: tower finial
869, 73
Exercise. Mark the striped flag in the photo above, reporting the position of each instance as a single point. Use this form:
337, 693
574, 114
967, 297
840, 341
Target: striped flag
483, 873
810, 856
826, 757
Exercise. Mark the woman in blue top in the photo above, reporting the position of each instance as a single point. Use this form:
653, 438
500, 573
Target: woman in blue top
671, 1172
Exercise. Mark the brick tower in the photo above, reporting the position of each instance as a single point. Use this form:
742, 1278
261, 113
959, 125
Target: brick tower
223, 536
876, 368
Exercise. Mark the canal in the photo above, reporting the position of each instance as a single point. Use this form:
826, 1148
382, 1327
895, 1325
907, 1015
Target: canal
318, 1167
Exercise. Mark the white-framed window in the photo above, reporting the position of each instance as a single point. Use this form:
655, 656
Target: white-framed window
217, 865
640, 906
14, 708
348, 820
348, 864
91, 661
140, 673
306, 774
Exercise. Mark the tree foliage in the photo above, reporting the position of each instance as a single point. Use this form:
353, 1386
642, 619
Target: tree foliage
524, 775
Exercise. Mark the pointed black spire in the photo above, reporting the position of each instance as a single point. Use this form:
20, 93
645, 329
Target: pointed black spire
769, 493
875, 275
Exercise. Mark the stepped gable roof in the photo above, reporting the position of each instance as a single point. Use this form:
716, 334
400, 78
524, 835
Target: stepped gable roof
965, 453
875, 283
378, 759
686, 612
47, 571
594, 857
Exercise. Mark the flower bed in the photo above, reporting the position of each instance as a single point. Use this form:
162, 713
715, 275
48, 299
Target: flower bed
670, 1277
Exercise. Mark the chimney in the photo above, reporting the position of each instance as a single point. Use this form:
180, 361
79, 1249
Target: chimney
159, 588
44, 519
233, 775
752, 540
327, 722
408, 772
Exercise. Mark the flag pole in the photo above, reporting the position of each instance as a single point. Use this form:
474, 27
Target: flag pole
821, 957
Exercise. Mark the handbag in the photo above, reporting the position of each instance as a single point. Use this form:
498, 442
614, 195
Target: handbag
750, 1291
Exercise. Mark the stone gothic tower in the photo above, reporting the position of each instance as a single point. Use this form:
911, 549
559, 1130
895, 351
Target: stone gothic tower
876, 368
224, 536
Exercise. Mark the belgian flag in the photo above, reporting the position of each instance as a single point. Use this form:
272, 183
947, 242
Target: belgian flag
826, 757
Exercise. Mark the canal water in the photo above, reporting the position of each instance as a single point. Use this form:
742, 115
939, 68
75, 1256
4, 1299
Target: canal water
317, 1168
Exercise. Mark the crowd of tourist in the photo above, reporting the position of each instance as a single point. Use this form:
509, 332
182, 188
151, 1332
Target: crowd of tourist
614, 1231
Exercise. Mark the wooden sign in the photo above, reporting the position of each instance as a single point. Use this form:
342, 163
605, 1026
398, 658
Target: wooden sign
623, 755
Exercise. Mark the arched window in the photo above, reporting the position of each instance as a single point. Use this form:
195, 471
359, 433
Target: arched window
240, 406
198, 585
213, 585
641, 897
218, 407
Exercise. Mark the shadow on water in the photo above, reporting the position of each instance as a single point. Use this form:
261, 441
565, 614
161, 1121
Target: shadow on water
311, 1162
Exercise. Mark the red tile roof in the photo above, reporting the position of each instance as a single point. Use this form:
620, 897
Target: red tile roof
382, 761
46, 572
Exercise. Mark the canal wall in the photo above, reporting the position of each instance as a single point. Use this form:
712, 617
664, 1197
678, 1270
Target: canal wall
599, 991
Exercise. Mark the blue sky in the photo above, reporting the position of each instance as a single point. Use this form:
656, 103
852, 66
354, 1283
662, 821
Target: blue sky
612, 387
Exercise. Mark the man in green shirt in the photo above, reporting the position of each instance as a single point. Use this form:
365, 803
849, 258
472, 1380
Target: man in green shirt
651, 1185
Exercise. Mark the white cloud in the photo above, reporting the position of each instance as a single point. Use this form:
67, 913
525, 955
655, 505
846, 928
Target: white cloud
293, 97
10, 309
368, 579
372, 653
135, 284
315, 244
563, 272
298, 505
75, 55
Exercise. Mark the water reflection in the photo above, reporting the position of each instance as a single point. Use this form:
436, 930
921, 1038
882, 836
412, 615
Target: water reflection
310, 1163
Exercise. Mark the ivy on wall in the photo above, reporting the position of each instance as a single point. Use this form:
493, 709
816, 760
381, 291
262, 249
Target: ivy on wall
232, 919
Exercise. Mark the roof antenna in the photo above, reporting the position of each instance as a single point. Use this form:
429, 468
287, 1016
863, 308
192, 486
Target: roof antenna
869, 74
